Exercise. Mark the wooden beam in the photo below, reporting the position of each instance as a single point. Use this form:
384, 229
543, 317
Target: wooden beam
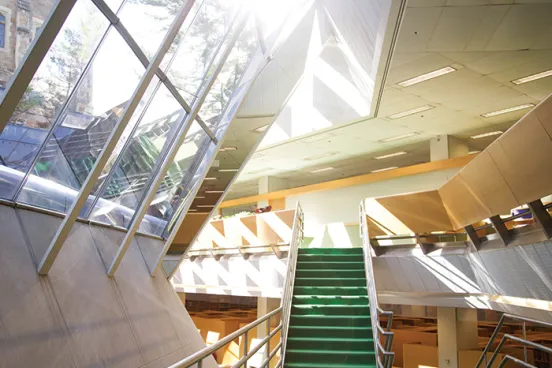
355, 180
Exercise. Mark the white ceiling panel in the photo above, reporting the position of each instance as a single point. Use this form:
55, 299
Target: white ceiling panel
417, 28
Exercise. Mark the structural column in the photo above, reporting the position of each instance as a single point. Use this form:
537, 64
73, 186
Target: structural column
444, 147
269, 184
456, 330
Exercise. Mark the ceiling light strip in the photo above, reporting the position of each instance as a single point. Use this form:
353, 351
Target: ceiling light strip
533, 77
427, 76
410, 112
385, 169
508, 110
489, 134
391, 155
396, 138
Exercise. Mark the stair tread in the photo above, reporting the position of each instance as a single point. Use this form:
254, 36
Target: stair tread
337, 339
329, 352
305, 306
299, 327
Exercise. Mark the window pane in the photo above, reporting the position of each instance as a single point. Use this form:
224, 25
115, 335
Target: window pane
127, 185
50, 88
198, 45
18, 23
230, 74
174, 188
84, 126
149, 20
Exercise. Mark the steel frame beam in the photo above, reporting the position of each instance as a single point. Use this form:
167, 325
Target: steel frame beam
472, 234
33, 58
67, 224
501, 229
141, 211
543, 217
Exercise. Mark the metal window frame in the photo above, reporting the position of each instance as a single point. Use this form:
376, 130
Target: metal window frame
33, 58
140, 213
170, 140
67, 224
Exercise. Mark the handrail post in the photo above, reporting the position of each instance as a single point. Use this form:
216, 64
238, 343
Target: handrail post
524, 333
245, 348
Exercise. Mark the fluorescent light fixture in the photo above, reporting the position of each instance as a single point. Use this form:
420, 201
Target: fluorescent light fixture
486, 134
390, 155
397, 137
322, 170
213, 191
533, 77
192, 210
318, 157
410, 112
473, 152
509, 109
199, 197
211, 178
205, 205
228, 170
228, 148
427, 76
387, 168
261, 128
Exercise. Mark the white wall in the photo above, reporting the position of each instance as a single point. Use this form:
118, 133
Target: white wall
340, 206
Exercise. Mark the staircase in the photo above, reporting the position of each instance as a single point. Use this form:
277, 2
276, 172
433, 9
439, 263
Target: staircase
330, 324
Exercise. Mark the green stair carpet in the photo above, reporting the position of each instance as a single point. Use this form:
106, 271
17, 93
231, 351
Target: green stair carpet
330, 323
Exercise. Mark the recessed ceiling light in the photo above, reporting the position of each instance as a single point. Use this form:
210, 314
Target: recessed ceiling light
322, 170
486, 134
427, 76
318, 157
397, 137
211, 178
473, 152
390, 155
199, 197
228, 170
214, 191
533, 77
509, 109
387, 168
261, 128
410, 112
228, 148
192, 210
205, 205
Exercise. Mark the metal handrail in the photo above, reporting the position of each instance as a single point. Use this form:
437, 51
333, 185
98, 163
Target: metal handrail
198, 357
284, 310
524, 341
297, 236
375, 310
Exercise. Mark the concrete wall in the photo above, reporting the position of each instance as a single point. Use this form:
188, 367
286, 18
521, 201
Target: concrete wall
331, 216
77, 316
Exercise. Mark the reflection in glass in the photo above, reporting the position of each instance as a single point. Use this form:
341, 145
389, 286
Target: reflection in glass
48, 91
84, 126
175, 186
149, 20
198, 45
127, 183
229, 77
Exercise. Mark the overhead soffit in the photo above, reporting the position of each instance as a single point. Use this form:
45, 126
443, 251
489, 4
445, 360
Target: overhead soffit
490, 43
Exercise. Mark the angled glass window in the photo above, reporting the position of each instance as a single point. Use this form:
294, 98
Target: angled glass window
127, 184
84, 126
148, 21
50, 89
198, 45
2, 31
174, 187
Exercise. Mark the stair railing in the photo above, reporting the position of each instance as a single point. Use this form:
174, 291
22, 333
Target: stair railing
387, 356
297, 236
196, 360
523, 341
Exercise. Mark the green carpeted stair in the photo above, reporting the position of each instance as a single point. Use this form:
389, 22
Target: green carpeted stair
330, 323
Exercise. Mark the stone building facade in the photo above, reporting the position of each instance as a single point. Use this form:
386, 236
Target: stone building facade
21, 20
